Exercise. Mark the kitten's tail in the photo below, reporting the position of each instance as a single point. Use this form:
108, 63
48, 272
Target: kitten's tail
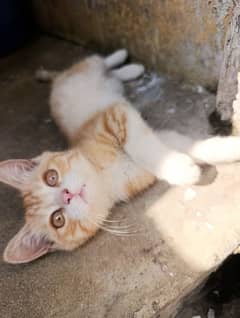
213, 150
43, 75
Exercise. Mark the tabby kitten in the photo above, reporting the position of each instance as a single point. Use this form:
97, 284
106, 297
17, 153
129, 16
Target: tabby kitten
113, 155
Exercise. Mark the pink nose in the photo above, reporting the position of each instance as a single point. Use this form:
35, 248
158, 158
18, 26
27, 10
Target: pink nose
67, 196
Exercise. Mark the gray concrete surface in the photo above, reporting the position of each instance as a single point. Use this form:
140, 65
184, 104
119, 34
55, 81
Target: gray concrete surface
184, 233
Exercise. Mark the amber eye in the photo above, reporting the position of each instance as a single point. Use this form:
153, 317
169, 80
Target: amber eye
57, 219
51, 177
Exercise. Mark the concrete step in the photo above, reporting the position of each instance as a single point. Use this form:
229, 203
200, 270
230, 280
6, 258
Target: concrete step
184, 233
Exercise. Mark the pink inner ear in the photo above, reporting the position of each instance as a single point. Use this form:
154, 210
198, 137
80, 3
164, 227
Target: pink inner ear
16, 172
26, 246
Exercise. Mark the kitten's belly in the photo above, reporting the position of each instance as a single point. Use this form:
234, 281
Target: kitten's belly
126, 179
79, 97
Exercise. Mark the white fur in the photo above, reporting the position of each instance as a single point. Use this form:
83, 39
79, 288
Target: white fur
77, 95
167, 155
76, 98
212, 150
129, 72
116, 58
147, 150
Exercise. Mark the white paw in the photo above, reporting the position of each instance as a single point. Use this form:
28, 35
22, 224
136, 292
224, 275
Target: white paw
180, 169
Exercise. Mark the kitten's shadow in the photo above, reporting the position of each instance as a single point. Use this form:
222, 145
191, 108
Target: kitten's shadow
209, 174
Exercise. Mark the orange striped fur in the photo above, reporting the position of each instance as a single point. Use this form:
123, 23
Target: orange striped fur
113, 156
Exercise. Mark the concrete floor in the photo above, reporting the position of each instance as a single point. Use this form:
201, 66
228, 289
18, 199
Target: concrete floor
181, 240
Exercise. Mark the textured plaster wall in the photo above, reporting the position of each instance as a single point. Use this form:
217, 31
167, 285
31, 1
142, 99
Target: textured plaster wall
183, 38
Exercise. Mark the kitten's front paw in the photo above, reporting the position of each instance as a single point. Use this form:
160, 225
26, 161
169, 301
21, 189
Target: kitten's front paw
180, 169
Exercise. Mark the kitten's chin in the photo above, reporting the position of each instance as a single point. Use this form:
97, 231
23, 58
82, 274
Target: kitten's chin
68, 245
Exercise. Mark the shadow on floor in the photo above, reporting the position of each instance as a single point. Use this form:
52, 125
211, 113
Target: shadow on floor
221, 293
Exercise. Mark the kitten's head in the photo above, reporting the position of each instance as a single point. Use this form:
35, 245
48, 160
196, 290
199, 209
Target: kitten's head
63, 199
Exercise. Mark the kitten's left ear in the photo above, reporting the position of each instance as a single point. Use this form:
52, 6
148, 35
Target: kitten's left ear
16, 172
26, 246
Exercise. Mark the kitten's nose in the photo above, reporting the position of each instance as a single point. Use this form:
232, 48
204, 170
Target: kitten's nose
67, 196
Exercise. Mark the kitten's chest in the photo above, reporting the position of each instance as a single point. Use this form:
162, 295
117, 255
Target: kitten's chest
122, 176
125, 179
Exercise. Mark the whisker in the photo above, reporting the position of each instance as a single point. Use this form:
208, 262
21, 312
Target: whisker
116, 230
115, 226
110, 221
118, 226
101, 218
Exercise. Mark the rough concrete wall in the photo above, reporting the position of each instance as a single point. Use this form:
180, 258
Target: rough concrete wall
181, 37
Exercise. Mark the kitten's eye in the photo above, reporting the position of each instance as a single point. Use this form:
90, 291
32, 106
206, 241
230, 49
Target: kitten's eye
57, 219
51, 177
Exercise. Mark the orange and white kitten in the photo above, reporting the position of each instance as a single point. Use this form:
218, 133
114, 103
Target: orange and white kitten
113, 156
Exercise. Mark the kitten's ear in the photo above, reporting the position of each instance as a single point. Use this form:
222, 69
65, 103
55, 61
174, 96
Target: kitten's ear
16, 172
26, 246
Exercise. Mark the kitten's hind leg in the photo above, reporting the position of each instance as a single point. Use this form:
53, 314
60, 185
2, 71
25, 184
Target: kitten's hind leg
116, 59
129, 72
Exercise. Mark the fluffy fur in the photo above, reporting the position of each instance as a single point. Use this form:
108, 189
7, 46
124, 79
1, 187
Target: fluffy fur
113, 155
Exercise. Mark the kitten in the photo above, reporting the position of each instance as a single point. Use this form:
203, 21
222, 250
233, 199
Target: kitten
113, 156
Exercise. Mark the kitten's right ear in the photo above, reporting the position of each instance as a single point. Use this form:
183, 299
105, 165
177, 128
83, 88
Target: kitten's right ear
16, 172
